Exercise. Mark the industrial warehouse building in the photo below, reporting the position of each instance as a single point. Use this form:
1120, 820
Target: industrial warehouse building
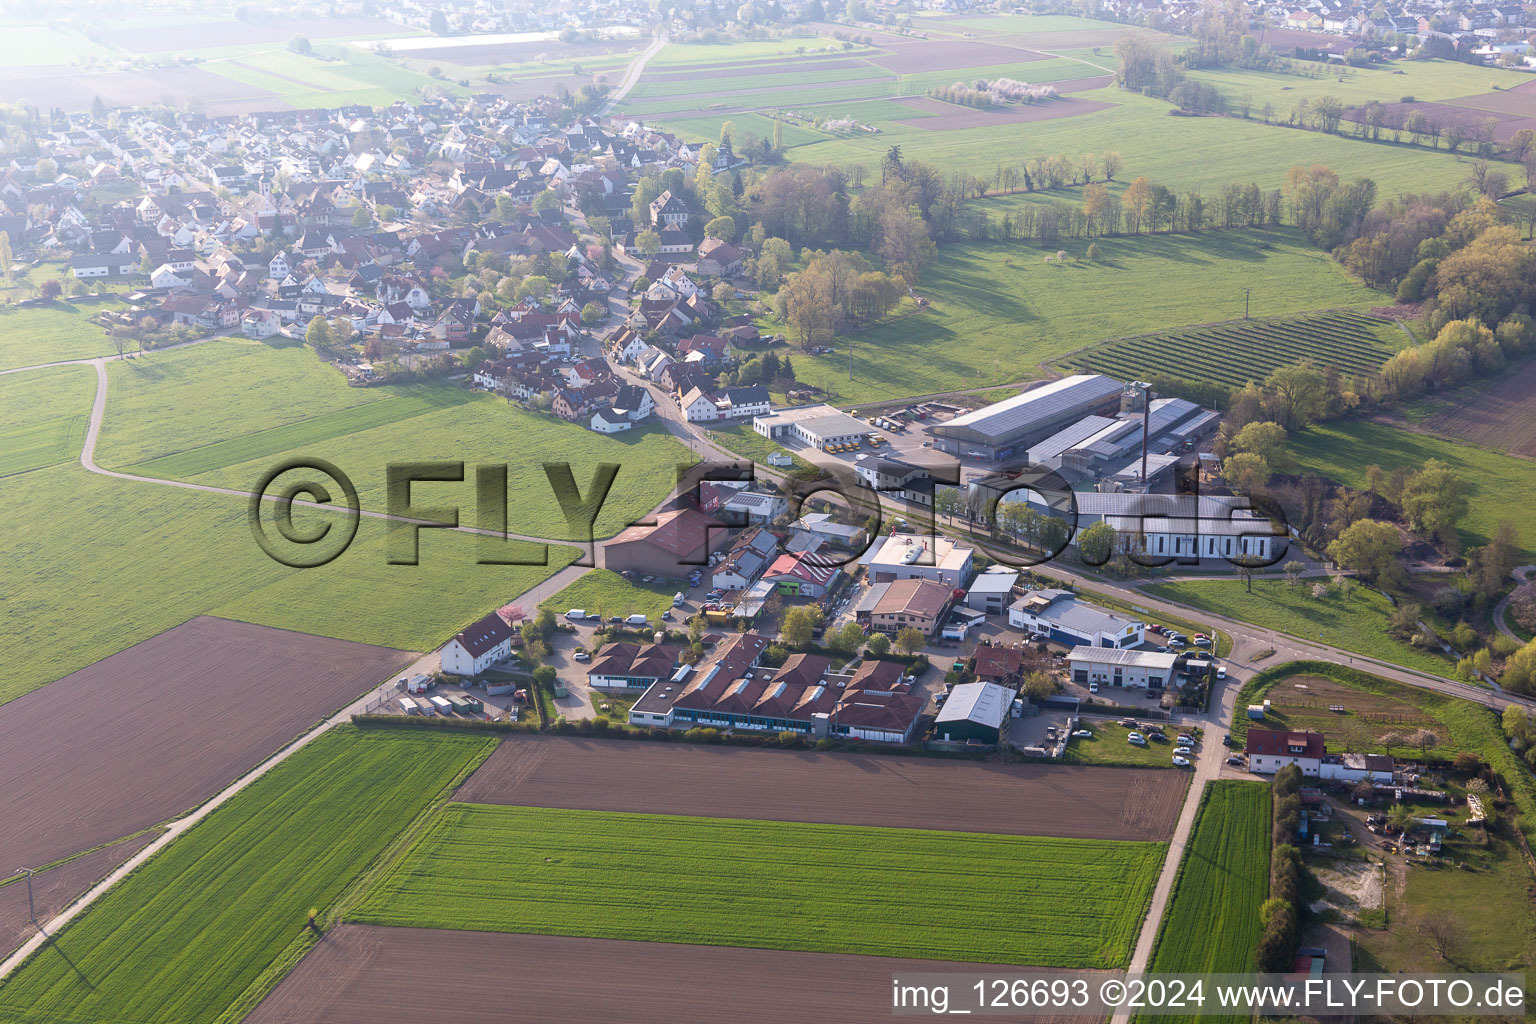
1150, 670
1004, 428
731, 689
1065, 619
1186, 526
815, 425
908, 556
678, 542
974, 713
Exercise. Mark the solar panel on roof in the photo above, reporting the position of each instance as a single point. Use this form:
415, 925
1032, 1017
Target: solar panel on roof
1038, 405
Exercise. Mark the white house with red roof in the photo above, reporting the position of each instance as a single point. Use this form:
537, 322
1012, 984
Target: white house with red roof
478, 647
1269, 750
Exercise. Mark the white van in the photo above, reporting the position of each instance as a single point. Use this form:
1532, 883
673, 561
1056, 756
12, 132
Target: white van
576, 614
677, 599
637, 620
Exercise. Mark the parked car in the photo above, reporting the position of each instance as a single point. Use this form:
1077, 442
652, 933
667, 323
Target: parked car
1135, 739
1180, 762
615, 618
1093, 687
1235, 761
1082, 733
1186, 739
582, 656
576, 614
1183, 749
1221, 671
1226, 740
1157, 735
1201, 641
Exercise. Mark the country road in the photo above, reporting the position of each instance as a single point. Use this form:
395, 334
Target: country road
632, 76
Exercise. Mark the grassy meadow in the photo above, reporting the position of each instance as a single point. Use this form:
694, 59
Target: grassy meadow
608, 593
190, 934
1499, 486
222, 413
1357, 623
772, 884
1108, 745
50, 334
997, 308
43, 416
1212, 925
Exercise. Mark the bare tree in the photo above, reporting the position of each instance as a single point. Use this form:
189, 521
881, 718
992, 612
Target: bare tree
1445, 933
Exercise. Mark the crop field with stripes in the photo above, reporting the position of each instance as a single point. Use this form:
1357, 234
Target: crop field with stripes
1212, 921
1238, 351
773, 884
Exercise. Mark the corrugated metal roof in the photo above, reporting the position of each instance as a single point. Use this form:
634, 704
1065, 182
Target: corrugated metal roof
1019, 414
982, 703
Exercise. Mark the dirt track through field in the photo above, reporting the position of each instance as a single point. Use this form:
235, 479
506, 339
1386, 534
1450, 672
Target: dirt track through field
152, 731
368, 975
1076, 801
56, 888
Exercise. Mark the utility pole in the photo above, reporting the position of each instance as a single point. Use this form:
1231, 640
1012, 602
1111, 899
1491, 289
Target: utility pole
1246, 291
31, 910
850, 359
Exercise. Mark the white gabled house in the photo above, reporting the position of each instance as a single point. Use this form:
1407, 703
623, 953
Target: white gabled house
479, 647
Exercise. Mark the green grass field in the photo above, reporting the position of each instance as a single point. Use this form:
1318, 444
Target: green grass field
998, 308
1183, 153
222, 413
1356, 624
1499, 486
51, 334
356, 76
191, 932
1236, 352
777, 885
1431, 80
43, 417
1212, 921
608, 593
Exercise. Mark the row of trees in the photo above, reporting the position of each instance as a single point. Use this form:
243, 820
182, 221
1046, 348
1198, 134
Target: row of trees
1462, 350
1280, 914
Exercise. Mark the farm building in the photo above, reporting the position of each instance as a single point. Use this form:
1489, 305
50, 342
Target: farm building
822, 525
989, 592
631, 666
1065, 619
1149, 669
674, 545
974, 713
1355, 767
921, 604
479, 647
815, 425
905, 556
1269, 750
999, 430
908, 481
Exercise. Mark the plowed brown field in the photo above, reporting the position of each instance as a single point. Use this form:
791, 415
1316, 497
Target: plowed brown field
369, 975
155, 730
1077, 801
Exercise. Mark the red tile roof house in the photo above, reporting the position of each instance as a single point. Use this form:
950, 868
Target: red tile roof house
478, 647
679, 541
1269, 750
